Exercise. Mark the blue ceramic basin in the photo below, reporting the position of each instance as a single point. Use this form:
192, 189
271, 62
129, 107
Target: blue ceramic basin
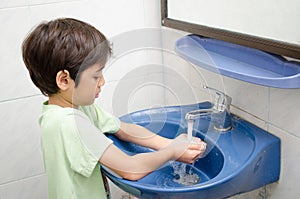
240, 160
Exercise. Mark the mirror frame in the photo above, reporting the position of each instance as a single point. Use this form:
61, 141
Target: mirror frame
268, 45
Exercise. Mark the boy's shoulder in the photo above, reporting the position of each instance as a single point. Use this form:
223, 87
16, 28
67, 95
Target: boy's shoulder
56, 113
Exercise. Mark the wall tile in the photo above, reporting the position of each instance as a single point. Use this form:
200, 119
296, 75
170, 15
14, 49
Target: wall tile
255, 194
285, 109
110, 17
131, 64
179, 89
123, 15
249, 117
169, 37
139, 88
12, 3
29, 188
152, 13
14, 78
20, 3
249, 97
116, 192
39, 2
138, 39
186, 80
20, 151
46, 12
288, 185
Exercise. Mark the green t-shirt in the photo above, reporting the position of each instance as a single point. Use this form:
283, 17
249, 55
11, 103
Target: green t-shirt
73, 142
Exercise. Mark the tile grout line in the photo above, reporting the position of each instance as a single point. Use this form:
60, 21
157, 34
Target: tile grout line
22, 179
19, 98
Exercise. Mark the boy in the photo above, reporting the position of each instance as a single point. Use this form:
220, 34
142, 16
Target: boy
65, 58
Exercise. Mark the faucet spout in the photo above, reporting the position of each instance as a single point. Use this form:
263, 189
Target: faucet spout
193, 115
219, 112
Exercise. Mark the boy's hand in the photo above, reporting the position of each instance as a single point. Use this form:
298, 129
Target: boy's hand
187, 151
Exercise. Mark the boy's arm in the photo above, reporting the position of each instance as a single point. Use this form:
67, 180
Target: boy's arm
141, 136
137, 166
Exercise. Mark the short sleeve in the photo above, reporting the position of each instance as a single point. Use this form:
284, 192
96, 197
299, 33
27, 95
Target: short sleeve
103, 120
84, 143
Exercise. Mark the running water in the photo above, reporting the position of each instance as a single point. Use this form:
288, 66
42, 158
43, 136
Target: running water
190, 129
184, 177
181, 175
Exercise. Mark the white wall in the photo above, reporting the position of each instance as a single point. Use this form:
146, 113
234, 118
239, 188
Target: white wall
22, 173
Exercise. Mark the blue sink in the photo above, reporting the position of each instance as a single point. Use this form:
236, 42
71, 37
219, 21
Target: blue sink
237, 161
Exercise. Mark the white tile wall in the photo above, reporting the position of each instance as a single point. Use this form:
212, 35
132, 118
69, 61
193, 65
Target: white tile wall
288, 185
20, 3
285, 110
14, 81
111, 17
139, 88
29, 188
20, 152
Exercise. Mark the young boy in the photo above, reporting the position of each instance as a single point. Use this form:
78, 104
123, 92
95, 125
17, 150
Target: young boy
65, 58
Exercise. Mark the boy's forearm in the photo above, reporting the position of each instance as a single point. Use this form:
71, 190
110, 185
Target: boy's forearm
141, 136
137, 166
148, 162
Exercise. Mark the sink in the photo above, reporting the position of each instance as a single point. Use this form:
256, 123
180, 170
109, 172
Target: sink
237, 161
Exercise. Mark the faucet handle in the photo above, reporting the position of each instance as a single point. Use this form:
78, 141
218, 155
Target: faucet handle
221, 100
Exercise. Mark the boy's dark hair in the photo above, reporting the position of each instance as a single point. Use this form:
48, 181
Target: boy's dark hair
62, 44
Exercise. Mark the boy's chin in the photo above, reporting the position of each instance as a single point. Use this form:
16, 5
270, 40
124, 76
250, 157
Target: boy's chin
87, 103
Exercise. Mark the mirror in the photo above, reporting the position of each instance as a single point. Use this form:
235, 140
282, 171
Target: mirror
264, 25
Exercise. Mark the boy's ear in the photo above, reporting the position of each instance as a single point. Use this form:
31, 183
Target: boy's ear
63, 80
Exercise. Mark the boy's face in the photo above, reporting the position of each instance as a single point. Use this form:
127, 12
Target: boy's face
89, 87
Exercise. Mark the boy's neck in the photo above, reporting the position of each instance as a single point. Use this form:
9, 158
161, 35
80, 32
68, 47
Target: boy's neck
61, 101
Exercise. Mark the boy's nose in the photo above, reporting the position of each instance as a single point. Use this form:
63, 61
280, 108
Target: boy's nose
101, 81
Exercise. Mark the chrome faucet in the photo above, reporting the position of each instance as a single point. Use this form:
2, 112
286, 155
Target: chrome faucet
220, 111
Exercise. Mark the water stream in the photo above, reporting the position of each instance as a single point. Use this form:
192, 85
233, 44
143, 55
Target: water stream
190, 129
181, 175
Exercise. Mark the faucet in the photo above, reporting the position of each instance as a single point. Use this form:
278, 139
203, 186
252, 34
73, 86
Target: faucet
220, 111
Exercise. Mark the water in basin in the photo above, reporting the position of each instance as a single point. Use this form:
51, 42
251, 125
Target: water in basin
184, 175
175, 174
